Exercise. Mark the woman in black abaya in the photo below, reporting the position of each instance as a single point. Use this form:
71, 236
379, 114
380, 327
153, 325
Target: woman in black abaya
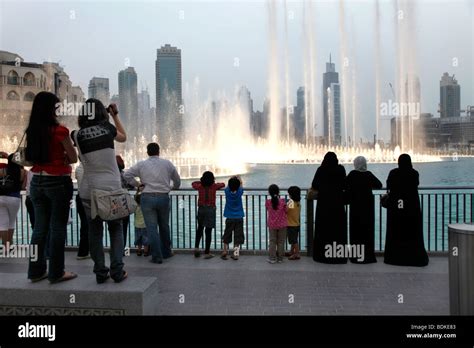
331, 220
404, 245
360, 183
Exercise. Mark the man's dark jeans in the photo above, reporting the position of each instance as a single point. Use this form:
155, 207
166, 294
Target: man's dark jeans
156, 211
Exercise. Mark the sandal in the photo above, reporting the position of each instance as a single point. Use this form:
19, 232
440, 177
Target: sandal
34, 280
294, 257
125, 275
139, 252
66, 276
224, 256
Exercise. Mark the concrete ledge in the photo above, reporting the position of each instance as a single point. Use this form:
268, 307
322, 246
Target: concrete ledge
81, 296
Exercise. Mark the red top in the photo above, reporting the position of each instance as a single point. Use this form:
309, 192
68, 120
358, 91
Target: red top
57, 157
207, 195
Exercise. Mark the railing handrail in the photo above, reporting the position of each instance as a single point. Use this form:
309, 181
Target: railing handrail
256, 189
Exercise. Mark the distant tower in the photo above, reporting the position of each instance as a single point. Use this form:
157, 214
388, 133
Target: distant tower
145, 121
169, 103
299, 115
99, 89
450, 96
128, 105
332, 103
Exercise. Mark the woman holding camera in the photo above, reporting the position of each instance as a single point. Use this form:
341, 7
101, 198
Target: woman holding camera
95, 141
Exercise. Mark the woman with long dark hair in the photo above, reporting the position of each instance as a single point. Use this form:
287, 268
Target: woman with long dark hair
330, 227
50, 149
404, 245
360, 183
95, 141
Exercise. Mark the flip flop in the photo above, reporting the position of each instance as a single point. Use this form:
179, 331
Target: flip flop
66, 276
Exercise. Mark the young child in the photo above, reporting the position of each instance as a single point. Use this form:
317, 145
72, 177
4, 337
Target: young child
141, 236
234, 214
206, 216
277, 223
293, 214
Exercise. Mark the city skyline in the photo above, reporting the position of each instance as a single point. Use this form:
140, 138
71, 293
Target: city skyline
233, 53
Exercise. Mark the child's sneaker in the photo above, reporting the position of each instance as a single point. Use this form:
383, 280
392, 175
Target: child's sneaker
272, 261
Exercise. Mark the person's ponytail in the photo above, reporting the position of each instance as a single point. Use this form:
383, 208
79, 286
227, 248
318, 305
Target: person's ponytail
274, 191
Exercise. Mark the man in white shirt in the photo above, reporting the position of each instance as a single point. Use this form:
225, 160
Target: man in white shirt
158, 177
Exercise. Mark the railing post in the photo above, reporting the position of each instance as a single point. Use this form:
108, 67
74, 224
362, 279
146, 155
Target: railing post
309, 226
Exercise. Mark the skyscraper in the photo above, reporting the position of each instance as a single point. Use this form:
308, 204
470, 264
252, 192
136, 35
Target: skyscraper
450, 96
128, 104
169, 103
299, 115
246, 105
145, 121
99, 89
331, 104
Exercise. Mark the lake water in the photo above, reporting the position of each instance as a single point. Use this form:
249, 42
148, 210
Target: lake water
445, 173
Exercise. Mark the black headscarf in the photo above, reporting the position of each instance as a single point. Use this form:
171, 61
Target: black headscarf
404, 162
330, 160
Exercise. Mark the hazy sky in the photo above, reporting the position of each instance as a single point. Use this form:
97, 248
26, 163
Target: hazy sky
95, 38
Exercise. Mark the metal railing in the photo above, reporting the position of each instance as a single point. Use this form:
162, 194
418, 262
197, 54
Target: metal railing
440, 207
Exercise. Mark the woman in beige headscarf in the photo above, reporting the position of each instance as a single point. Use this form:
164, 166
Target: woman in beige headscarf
360, 183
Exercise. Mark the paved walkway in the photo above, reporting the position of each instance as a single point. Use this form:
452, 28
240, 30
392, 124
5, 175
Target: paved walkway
252, 286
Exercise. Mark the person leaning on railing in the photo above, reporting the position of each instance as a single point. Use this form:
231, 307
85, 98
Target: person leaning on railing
404, 245
51, 151
155, 176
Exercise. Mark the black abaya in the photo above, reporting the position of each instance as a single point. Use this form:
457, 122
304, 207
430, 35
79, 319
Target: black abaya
404, 243
361, 215
331, 220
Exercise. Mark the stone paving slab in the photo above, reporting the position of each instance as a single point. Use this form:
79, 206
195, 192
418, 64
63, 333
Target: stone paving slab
251, 286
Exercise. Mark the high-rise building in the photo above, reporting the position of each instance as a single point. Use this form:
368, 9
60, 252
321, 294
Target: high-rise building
450, 96
246, 105
146, 124
128, 100
299, 115
169, 103
331, 89
99, 89
334, 112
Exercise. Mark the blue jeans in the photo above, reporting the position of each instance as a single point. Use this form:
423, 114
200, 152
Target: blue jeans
51, 196
156, 212
96, 245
